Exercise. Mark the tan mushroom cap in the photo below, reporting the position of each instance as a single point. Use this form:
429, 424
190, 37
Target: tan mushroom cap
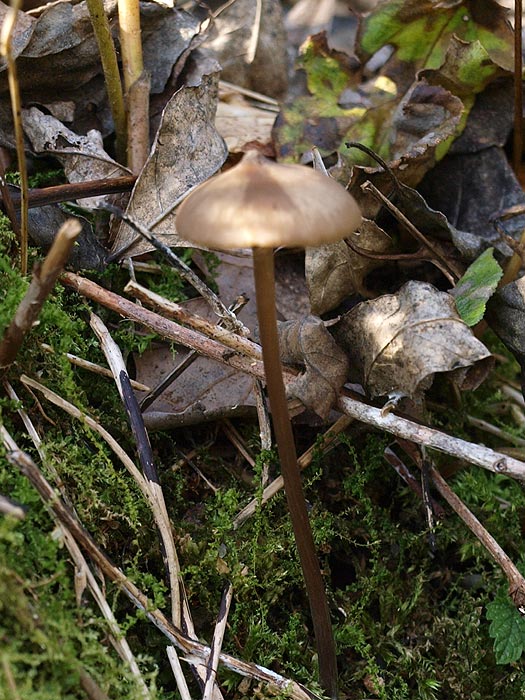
259, 203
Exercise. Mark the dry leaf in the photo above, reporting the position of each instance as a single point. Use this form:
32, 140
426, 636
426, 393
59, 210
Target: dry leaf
187, 150
335, 271
307, 342
396, 343
82, 157
239, 122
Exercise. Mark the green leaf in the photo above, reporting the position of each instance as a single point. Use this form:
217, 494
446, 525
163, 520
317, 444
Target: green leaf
476, 287
507, 629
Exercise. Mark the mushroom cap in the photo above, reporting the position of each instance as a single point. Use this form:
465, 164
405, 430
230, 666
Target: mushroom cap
260, 203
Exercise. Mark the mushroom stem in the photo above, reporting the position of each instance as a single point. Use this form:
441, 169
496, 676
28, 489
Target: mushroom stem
265, 294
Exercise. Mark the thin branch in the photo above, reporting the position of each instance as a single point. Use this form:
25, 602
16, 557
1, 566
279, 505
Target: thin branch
163, 327
176, 667
227, 316
96, 427
157, 502
422, 435
9, 507
93, 367
175, 311
517, 146
42, 282
216, 643
415, 232
304, 461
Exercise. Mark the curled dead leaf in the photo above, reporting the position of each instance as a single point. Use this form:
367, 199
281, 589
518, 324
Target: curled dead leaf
397, 342
308, 342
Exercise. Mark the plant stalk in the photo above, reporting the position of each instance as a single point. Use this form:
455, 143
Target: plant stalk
265, 294
108, 57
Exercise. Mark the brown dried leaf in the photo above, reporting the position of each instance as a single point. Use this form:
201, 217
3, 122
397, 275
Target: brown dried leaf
187, 150
239, 122
396, 343
82, 157
334, 272
308, 342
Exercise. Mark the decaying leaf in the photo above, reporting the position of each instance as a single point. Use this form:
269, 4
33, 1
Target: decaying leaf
187, 150
207, 390
308, 342
251, 46
334, 272
82, 157
476, 287
396, 343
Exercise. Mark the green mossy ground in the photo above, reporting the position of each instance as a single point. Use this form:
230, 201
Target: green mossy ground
410, 623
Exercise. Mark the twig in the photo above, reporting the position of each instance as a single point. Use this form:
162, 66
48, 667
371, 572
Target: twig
117, 638
93, 367
517, 146
516, 580
410, 480
157, 502
216, 643
163, 327
9, 507
175, 311
265, 430
422, 435
6, 49
41, 196
196, 651
256, 30
409, 226
9, 678
134, 77
229, 318
176, 667
42, 282
91, 423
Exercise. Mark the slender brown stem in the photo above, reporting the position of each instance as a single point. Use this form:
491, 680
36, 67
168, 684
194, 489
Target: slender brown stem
265, 294
41, 196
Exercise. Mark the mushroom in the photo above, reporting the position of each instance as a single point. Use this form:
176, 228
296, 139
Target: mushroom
261, 204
